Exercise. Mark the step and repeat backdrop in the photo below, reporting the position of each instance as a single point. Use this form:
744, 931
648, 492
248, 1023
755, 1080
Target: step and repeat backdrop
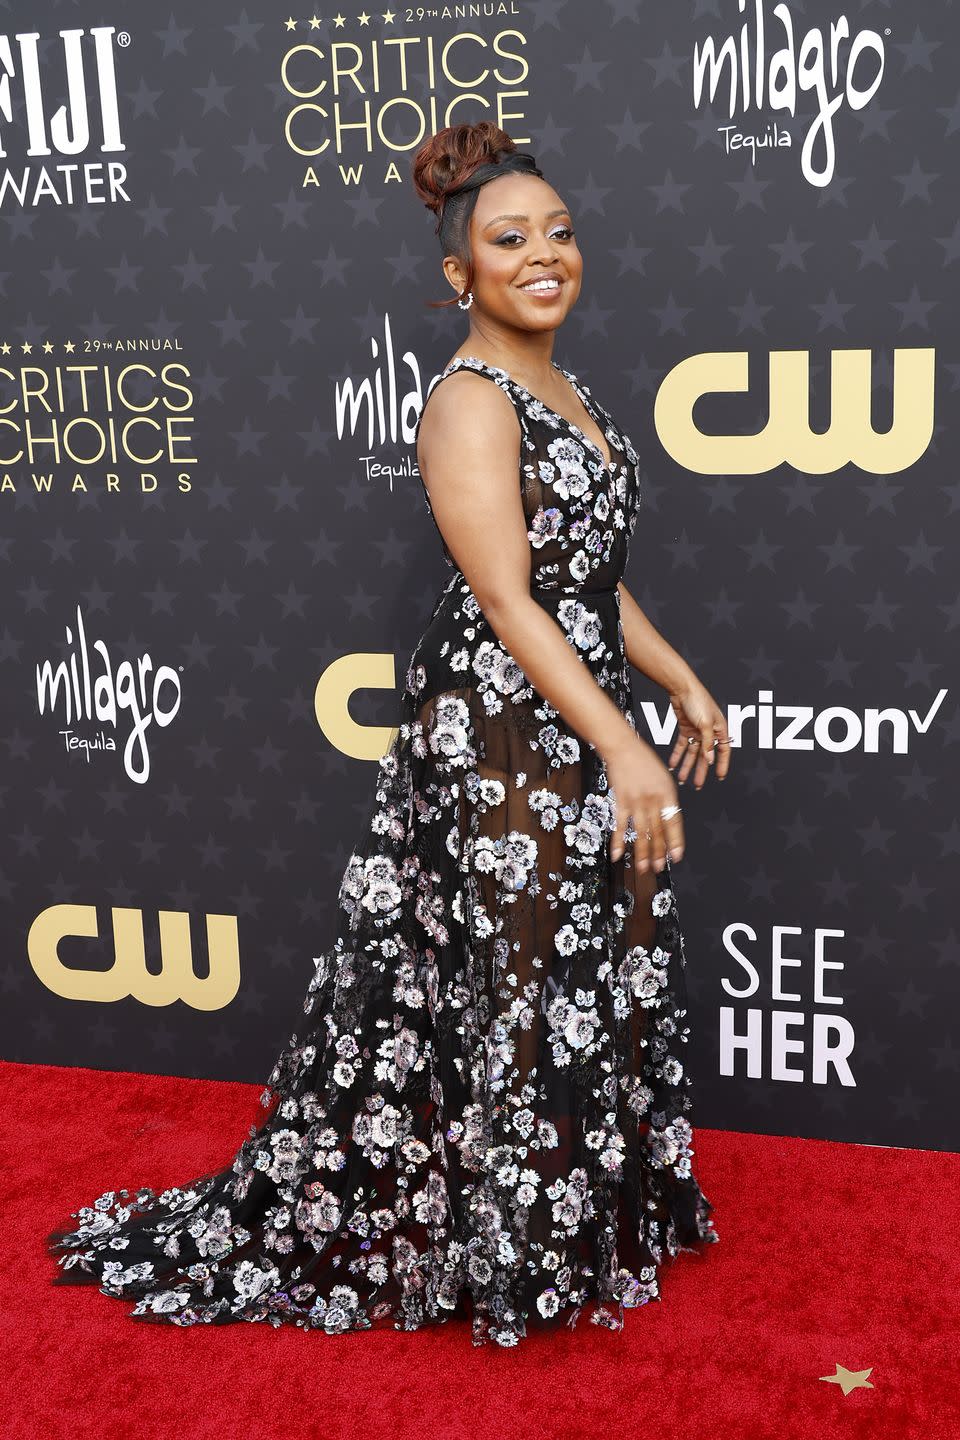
215, 339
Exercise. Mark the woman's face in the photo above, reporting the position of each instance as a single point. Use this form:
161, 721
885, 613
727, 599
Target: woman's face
521, 234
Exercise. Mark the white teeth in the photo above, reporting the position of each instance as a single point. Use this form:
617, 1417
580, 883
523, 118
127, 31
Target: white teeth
542, 285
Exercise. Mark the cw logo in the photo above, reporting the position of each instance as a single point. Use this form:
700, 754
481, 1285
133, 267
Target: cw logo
331, 703
787, 437
128, 975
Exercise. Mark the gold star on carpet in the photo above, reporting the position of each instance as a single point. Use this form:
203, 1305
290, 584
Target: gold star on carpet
290, 24
27, 348
69, 346
339, 21
388, 17
849, 1379
314, 22
4, 348
47, 347
364, 18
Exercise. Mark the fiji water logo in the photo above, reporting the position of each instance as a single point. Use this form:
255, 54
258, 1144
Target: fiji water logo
84, 67
88, 687
768, 66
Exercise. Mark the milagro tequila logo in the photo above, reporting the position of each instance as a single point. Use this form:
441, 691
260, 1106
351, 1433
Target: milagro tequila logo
89, 120
381, 407
85, 689
767, 66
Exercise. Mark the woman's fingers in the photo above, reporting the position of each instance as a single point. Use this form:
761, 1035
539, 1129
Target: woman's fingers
616, 844
723, 752
656, 839
651, 849
703, 753
678, 752
707, 747
691, 752
714, 749
617, 838
641, 849
675, 839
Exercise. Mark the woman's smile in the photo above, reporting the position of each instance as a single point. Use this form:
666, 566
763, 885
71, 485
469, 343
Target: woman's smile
542, 287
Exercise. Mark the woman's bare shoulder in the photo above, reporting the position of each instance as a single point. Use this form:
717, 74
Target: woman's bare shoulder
468, 403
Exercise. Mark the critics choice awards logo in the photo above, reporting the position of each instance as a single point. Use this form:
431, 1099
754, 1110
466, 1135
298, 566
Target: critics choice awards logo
362, 100
94, 416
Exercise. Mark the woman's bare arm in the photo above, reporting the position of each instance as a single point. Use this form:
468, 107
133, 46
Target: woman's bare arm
469, 456
701, 722
646, 648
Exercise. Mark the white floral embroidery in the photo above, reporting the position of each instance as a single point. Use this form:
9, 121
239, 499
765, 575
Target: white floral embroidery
493, 1037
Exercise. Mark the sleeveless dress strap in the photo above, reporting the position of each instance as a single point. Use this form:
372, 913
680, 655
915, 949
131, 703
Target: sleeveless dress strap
477, 367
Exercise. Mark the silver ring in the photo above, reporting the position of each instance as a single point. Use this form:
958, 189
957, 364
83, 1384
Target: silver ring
693, 739
668, 812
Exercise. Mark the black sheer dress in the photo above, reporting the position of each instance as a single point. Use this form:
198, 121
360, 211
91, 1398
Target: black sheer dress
484, 1112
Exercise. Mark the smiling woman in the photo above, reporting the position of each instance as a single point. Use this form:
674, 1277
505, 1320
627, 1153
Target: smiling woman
486, 1115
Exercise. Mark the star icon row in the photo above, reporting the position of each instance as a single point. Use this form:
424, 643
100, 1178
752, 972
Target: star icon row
315, 21
26, 348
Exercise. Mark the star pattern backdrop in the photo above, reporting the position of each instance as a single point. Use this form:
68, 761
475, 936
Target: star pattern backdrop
214, 267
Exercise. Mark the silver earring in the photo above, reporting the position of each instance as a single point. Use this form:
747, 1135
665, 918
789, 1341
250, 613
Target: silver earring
469, 295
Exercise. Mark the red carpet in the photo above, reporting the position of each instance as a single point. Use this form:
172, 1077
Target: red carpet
829, 1255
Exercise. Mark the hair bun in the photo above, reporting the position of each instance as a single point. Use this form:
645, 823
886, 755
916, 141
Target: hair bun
451, 156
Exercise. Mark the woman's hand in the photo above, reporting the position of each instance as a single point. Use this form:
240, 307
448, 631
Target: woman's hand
702, 734
642, 787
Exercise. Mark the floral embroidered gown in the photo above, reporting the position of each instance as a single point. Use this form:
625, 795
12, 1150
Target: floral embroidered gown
484, 1113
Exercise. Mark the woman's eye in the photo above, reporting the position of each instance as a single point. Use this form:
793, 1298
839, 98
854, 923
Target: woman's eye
564, 231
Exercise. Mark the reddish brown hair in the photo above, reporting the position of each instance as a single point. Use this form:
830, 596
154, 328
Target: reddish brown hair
444, 161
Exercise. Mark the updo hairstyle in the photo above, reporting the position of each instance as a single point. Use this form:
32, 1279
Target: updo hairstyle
448, 171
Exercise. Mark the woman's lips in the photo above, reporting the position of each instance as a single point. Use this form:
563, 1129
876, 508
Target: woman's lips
550, 293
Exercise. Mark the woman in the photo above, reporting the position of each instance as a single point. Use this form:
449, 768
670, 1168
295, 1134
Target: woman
485, 1115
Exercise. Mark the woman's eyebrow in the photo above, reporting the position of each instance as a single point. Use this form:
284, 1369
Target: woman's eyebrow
497, 218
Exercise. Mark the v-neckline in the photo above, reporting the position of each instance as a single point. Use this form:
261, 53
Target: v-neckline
610, 465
